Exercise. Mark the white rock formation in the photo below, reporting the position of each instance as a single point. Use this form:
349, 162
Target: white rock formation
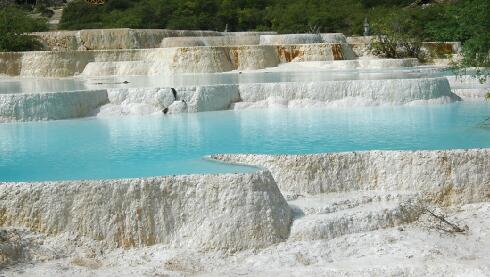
436, 50
141, 101
290, 39
50, 106
448, 177
324, 224
469, 88
333, 38
372, 92
109, 39
61, 63
332, 233
209, 59
178, 107
230, 40
228, 212
124, 68
155, 100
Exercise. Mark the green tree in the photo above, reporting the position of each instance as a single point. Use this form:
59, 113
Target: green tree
15, 26
81, 15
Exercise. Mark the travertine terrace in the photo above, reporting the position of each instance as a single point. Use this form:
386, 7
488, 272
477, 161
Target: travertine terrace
325, 214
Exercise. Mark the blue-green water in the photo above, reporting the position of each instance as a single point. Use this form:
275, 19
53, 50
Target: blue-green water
165, 145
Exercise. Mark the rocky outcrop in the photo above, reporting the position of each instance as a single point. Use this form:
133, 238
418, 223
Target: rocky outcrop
208, 212
445, 177
50, 106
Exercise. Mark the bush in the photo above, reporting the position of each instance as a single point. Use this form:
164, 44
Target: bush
472, 25
15, 27
398, 36
81, 15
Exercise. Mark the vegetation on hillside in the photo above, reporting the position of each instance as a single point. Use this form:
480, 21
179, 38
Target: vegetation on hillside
402, 31
15, 26
284, 16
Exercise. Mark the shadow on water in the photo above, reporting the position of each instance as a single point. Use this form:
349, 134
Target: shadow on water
485, 124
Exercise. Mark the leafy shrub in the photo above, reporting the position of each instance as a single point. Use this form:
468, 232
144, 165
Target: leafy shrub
15, 27
79, 14
472, 27
397, 36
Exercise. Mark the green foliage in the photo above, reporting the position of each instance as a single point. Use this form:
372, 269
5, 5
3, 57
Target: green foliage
343, 16
398, 35
472, 27
465, 21
82, 15
284, 16
15, 26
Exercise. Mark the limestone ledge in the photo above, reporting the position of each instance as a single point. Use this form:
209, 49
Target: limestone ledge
245, 39
469, 88
106, 39
436, 50
371, 92
288, 94
228, 212
253, 38
50, 106
165, 60
446, 177
156, 100
213, 59
124, 38
128, 101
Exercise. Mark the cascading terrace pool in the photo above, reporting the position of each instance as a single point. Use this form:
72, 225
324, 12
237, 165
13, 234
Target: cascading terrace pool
34, 85
136, 146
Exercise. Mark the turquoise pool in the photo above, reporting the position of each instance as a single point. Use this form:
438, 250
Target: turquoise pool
94, 148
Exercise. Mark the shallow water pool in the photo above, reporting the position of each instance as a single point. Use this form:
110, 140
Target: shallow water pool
95, 148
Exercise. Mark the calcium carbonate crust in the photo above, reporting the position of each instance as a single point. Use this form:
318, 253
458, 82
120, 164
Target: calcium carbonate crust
127, 101
228, 212
197, 221
206, 59
447, 177
50, 106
